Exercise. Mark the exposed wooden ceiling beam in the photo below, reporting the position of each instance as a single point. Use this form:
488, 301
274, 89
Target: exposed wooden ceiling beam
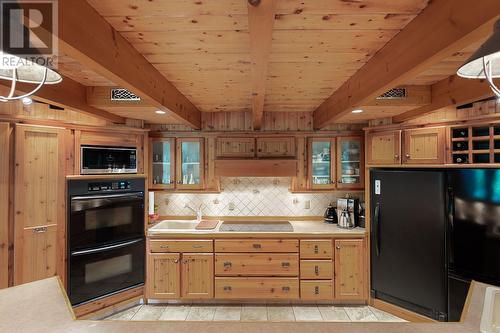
452, 91
68, 94
89, 39
443, 27
260, 23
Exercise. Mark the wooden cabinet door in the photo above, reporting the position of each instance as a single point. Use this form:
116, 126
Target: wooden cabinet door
276, 147
424, 146
190, 163
321, 163
350, 269
39, 233
197, 275
383, 148
350, 163
161, 163
235, 147
5, 177
163, 275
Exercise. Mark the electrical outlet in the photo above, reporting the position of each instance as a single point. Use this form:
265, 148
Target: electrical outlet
307, 204
216, 201
232, 206
295, 201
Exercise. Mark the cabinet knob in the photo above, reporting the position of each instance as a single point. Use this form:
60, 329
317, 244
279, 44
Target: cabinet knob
337, 247
396, 156
176, 261
333, 181
407, 155
179, 182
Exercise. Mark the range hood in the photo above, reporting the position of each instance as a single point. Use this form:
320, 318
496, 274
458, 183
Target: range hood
256, 168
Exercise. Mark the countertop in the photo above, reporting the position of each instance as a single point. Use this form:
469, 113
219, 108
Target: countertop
300, 229
43, 306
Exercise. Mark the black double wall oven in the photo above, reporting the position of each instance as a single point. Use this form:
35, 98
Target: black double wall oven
106, 242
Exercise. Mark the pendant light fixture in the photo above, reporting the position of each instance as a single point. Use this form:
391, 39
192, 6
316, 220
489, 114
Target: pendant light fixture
16, 69
485, 62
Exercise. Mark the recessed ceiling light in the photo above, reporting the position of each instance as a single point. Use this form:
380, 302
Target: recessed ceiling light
27, 101
160, 112
357, 111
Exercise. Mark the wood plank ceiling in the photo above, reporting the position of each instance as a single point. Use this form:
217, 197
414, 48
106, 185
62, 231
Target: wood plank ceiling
203, 47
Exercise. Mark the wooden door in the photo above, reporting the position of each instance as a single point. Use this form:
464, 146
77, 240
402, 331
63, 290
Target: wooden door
161, 163
350, 163
235, 147
190, 165
383, 148
321, 163
39, 235
163, 275
5, 176
276, 147
350, 269
197, 275
424, 146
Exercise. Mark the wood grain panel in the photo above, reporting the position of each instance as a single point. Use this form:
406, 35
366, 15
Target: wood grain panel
158, 246
316, 269
316, 249
316, 290
256, 288
163, 275
5, 151
350, 269
260, 264
197, 275
257, 245
383, 147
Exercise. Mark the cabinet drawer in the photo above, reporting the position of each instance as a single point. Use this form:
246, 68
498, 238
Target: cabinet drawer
258, 264
256, 288
312, 249
158, 246
257, 245
316, 269
316, 290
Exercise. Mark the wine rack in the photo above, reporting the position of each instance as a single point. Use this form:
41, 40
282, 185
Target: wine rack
477, 144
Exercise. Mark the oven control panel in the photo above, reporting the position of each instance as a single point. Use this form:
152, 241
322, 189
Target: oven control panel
109, 186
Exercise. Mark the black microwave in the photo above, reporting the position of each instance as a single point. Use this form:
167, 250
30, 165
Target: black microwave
97, 160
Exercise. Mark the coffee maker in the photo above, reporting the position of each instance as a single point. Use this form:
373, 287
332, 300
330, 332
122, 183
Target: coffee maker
331, 215
352, 206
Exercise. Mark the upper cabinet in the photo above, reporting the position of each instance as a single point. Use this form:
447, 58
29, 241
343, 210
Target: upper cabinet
177, 163
411, 146
384, 147
235, 147
276, 147
350, 162
322, 163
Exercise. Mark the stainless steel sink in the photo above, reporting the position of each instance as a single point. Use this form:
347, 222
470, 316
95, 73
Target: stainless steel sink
256, 226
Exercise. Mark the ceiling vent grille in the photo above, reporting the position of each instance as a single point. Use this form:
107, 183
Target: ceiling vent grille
120, 94
396, 93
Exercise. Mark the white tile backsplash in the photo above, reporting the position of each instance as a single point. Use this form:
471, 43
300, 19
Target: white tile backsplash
249, 197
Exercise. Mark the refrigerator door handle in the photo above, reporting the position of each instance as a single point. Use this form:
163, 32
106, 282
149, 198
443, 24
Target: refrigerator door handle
376, 229
450, 216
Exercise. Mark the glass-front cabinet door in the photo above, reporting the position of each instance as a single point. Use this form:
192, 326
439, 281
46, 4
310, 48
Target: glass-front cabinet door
350, 166
162, 168
190, 163
322, 163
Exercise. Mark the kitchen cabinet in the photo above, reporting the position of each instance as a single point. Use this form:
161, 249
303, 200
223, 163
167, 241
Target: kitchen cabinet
276, 147
350, 269
383, 148
190, 163
424, 146
5, 179
162, 163
316, 290
316, 249
256, 288
197, 275
235, 147
321, 162
163, 275
256, 264
39, 232
350, 163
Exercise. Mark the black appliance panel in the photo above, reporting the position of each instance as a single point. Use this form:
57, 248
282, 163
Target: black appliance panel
98, 272
102, 160
458, 288
408, 252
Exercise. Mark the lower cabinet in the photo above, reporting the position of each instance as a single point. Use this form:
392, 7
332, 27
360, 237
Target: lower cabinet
306, 269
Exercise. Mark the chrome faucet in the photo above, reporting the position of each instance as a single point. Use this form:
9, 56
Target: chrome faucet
199, 212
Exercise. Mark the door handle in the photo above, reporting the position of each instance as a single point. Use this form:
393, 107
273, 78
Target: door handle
39, 230
376, 229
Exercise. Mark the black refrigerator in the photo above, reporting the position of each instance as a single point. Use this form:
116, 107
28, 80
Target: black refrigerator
409, 211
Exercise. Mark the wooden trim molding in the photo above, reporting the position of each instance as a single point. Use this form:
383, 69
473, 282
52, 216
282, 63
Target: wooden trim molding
5, 145
400, 312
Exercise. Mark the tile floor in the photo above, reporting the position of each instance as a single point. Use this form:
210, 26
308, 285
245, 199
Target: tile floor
252, 313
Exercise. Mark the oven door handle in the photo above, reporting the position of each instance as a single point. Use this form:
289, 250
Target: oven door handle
108, 196
106, 248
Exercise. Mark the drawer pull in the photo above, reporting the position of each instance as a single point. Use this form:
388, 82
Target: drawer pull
285, 264
228, 264
163, 246
285, 289
316, 290
257, 246
176, 261
316, 270
316, 249
197, 246
228, 288
39, 230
